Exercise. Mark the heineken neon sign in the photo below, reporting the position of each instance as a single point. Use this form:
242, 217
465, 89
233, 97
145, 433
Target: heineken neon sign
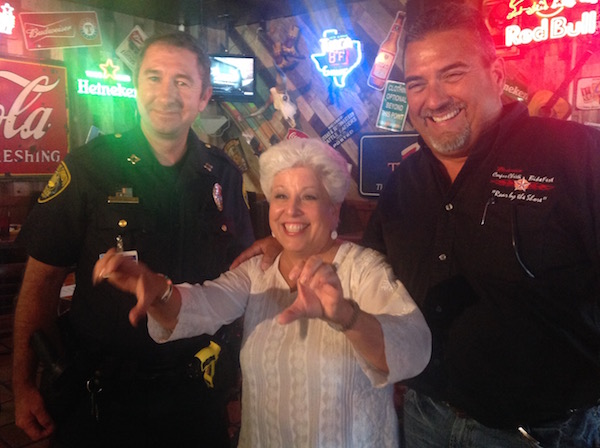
339, 56
106, 82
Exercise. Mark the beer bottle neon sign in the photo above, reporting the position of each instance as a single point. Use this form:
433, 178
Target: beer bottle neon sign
104, 86
339, 56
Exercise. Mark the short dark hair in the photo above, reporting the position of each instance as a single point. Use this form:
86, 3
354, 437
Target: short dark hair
178, 39
451, 15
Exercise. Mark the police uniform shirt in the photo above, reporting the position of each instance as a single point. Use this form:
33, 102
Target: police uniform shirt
188, 221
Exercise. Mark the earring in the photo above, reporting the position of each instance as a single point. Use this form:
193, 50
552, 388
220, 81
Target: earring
334, 234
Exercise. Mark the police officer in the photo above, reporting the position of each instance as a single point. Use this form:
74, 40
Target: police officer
162, 196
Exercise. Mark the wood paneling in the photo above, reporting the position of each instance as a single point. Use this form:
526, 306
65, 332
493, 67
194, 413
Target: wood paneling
318, 105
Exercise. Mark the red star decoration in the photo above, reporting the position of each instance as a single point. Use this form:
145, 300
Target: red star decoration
521, 185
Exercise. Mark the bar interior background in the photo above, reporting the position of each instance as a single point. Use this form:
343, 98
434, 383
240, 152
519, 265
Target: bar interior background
542, 65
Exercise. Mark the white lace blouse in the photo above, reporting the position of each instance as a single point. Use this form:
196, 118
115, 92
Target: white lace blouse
303, 383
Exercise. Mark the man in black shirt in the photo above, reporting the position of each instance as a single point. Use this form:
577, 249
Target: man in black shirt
494, 229
162, 196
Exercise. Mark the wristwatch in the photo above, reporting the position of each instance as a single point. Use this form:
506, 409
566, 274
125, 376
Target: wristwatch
351, 322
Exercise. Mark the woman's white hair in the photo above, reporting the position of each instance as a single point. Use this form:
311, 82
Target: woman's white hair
329, 166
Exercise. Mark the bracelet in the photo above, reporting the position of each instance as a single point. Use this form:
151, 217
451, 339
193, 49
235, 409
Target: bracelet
351, 322
169, 291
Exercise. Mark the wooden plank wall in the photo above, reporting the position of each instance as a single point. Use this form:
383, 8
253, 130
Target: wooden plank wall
367, 21
544, 67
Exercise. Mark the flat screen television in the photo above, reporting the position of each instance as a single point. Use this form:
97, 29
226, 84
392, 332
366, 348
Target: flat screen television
233, 77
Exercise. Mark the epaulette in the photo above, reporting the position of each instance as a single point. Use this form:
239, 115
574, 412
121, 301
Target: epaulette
102, 141
104, 149
219, 153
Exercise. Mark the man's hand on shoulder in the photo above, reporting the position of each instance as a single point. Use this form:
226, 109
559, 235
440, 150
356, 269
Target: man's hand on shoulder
268, 247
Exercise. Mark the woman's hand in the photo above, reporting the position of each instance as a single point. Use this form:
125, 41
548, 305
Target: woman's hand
121, 272
320, 294
132, 277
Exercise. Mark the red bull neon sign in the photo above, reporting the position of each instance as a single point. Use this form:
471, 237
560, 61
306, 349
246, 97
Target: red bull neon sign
557, 19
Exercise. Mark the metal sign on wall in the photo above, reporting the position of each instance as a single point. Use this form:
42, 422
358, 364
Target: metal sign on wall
342, 128
587, 95
379, 155
130, 48
43, 30
33, 117
394, 107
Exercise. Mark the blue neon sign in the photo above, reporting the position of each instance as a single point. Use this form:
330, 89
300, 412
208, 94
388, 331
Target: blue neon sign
338, 57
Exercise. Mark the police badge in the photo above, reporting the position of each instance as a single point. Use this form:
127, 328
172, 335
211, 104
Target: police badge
217, 193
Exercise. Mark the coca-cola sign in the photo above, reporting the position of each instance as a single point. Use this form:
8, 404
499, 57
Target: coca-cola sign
33, 117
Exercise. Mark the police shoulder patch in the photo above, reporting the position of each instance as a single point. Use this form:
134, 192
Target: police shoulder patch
57, 183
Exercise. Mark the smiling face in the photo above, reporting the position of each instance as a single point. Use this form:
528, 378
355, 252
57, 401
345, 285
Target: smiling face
301, 215
453, 95
170, 92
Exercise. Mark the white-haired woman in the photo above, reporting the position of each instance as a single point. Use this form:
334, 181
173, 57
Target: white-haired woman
327, 328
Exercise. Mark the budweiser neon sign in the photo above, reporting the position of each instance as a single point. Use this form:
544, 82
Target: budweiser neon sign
7, 19
557, 19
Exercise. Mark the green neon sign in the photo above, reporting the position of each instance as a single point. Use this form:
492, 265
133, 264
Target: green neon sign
106, 82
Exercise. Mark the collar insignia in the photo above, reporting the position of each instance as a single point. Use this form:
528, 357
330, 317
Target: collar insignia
133, 159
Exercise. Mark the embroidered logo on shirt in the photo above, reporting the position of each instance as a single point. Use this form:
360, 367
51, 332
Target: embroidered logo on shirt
521, 184
517, 185
57, 183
